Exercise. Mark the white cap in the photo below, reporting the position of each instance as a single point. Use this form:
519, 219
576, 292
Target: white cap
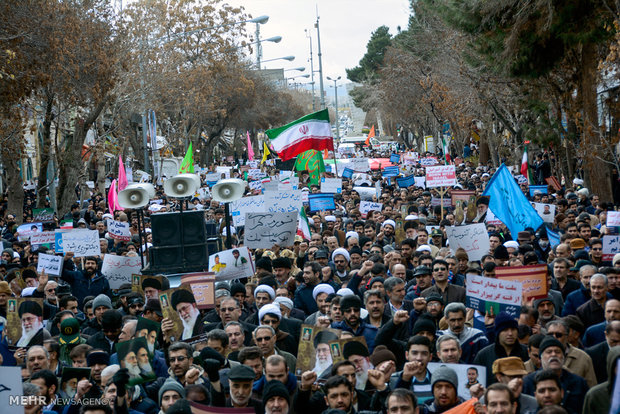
424, 248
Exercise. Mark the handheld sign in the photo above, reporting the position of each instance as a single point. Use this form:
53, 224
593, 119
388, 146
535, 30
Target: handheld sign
119, 230
119, 269
331, 185
81, 242
263, 230
50, 264
321, 202
232, 264
366, 206
244, 205
533, 278
485, 293
473, 238
440, 176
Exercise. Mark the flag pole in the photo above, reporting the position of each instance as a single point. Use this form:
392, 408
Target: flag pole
335, 162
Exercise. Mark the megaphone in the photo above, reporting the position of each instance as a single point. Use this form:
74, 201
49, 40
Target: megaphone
145, 186
181, 185
133, 197
228, 190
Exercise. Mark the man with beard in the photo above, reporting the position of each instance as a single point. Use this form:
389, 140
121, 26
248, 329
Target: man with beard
576, 361
592, 312
131, 363
303, 294
110, 331
341, 259
184, 303
350, 306
444, 385
151, 288
142, 358
276, 398
323, 356
375, 305
339, 394
69, 381
87, 282
386, 236
33, 332
320, 294
552, 358
356, 353
97, 360
241, 379
100, 304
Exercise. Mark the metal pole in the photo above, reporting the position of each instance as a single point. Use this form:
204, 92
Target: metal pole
337, 120
144, 133
311, 70
259, 48
227, 221
318, 37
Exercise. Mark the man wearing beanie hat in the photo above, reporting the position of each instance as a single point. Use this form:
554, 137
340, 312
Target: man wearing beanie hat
169, 393
275, 398
552, 357
506, 345
444, 385
110, 331
282, 269
184, 303
181, 406
101, 304
384, 360
350, 306
33, 332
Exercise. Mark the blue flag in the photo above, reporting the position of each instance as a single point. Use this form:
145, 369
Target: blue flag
509, 204
554, 238
405, 182
347, 173
390, 171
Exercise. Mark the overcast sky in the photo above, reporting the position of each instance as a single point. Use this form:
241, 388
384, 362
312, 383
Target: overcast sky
345, 27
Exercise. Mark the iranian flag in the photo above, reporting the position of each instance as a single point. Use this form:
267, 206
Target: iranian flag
525, 166
446, 151
303, 227
313, 131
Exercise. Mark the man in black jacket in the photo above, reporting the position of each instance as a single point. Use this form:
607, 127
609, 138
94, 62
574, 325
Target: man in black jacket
599, 352
107, 338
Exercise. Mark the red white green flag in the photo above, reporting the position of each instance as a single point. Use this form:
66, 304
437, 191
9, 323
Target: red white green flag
525, 166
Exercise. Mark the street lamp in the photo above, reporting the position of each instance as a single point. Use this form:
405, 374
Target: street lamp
259, 48
300, 69
289, 58
337, 120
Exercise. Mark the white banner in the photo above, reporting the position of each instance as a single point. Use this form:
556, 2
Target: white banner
81, 242
119, 230
118, 269
366, 206
263, 230
613, 218
359, 164
44, 237
254, 204
473, 238
440, 176
232, 264
331, 185
283, 202
50, 264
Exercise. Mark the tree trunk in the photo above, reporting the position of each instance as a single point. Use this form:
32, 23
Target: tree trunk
45, 151
11, 155
599, 178
70, 163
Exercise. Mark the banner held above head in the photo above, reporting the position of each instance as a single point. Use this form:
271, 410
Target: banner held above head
312, 131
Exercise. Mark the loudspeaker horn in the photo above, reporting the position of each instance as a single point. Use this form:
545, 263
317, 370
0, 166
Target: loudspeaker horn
182, 185
133, 197
228, 190
145, 186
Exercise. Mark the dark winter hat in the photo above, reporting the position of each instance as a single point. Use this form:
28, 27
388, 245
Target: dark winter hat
171, 385
424, 325
282, 262
275, 388
111, 319
182, 406
501, 252
548, 342
265, 264
445, 374
241, 373
237, 288
504, 321
381, 354
350, 301
152, 283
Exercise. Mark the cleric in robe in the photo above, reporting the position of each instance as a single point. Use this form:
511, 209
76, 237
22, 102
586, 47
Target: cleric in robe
33, 332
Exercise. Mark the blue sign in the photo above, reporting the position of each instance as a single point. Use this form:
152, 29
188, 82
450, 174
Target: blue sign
395, 158
405, 182
543, 189
554, 238
58, 245
347, 173
321, 202
391, 171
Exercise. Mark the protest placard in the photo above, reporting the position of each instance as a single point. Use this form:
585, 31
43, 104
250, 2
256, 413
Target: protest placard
347, 173
25, 231
44, 237
263, 230
533, 279
43, 215
232, 264
11, 385
420, 182
477, 372
119, 230
313, 352
50, 264
203, 287
485, 293
223, 171
282, 201
366, 206
119, 269
428, 161
321, 202
336, 348
437, 201
541, 189
440, 176
359, 164
473, 238
406, 182
331, 185
613, 218
271, 186
81, 242
165, 299
463, 195
545, 211
391, 171
395, 158
611, 246
253, 204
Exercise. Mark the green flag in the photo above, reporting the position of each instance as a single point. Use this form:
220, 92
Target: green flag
311, 161
187, 165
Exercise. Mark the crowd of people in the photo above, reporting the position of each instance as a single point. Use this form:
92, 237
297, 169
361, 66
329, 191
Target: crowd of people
384, 284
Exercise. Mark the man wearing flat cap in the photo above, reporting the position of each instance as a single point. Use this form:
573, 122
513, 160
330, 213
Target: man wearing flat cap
184, 303
510, 371
241, 380
33, 332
